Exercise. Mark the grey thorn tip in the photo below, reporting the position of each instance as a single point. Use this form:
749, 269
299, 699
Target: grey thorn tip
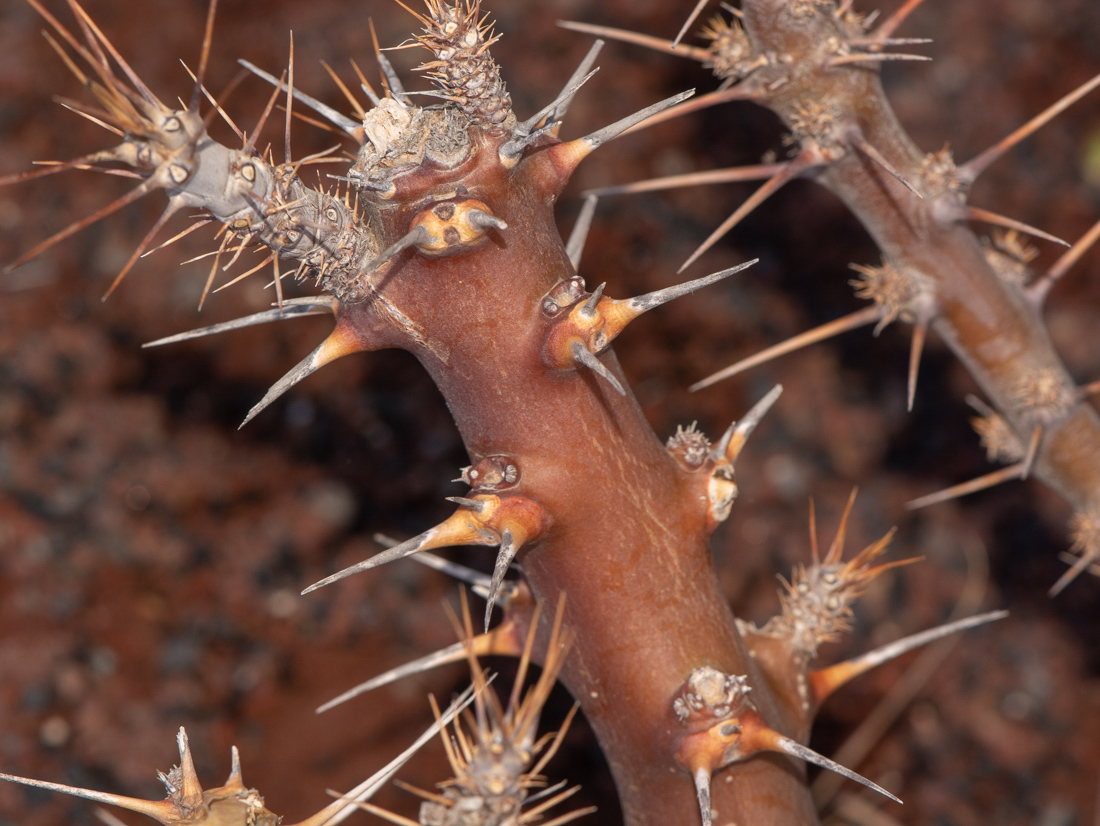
306, 367
589, 309
392, 78
313, 306
810, 756
550, 111
581, 355
575, 246
483, 220
417, 235
702, 792
235, 764
906, 644
602, 136
647, 302
478, 582
748, 422
406, 548
338, 119
505, 556
417, 666
476, 505
576, 80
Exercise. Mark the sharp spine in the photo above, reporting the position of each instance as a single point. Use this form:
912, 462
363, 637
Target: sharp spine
581, 355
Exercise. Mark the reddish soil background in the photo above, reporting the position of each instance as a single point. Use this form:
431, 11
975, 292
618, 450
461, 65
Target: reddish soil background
151, 553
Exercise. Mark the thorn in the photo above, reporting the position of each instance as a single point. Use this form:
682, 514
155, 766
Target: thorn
478, 582
702, 788
53, 167
916, 347
581, 355
508, 549
970, 170
565, 101
483, 220
1080, 563
502, 641
289, 115
836, 550
735, 174
807, 159
323, 109
235, 778
204, 57
336, 812
250, 143
199, 224
457, 529
1090, 389
861, 144
191, 790
589, 308
656, 43
292, 308
676, 42
891, 23
173, 207
608, 133
810, 756
163, 810
975, 214
529, 130
359, 110
1032, 450
143, 90
1038, 291
572, 153
874, 57
731, 444
989, 480
341, 342
575, 246
825, 681
742, 91
644, 303
390, 74
860, 318
414, 237
475, 505
148, 185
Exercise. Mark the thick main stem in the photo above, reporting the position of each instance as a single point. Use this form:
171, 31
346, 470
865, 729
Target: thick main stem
628, 540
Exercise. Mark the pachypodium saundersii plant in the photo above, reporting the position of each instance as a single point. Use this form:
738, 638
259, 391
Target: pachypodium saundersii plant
440, 240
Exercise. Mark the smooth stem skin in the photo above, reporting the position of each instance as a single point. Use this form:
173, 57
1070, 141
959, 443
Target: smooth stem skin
628, 543
989, 324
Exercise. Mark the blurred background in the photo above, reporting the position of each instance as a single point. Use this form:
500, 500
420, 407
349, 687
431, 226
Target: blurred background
151, 554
